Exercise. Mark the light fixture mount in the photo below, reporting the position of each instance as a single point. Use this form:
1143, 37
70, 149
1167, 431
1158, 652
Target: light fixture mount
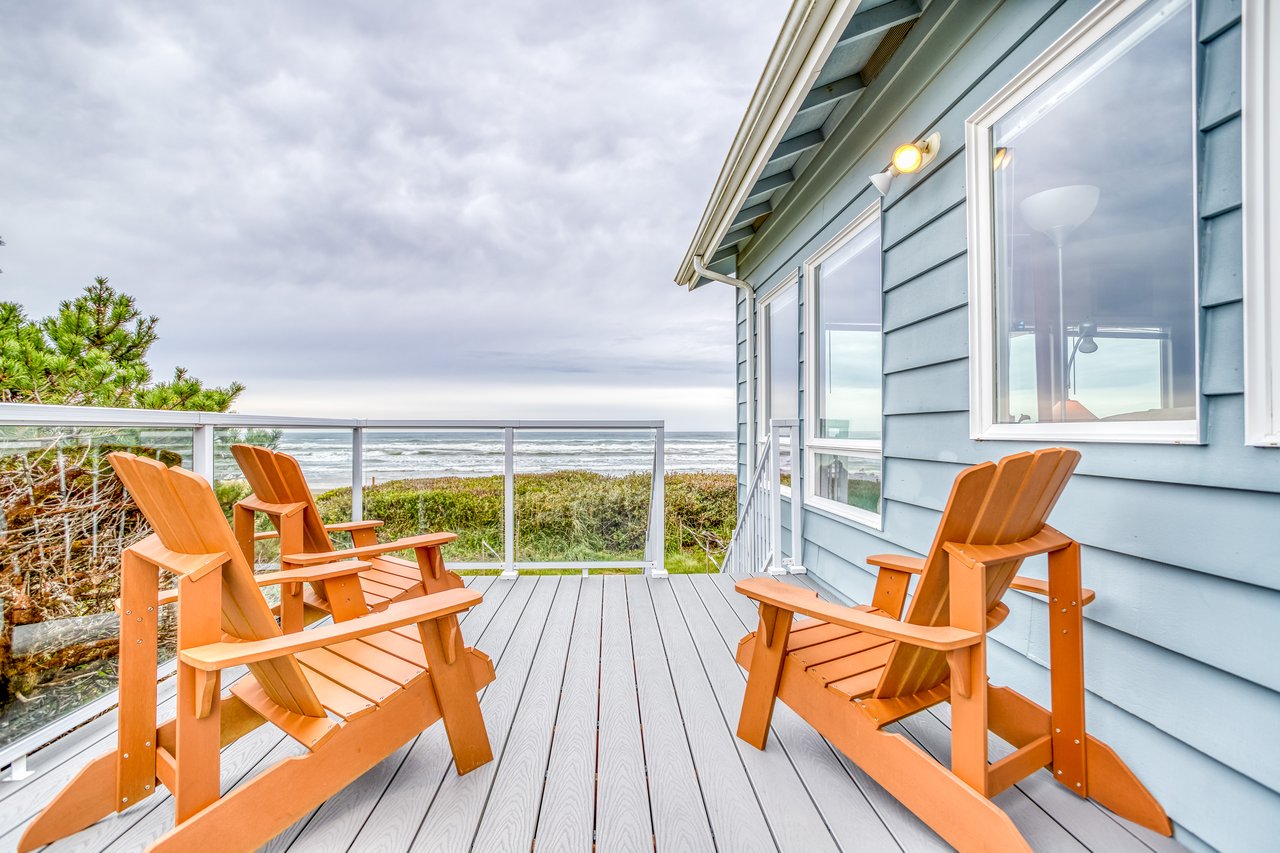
908, 158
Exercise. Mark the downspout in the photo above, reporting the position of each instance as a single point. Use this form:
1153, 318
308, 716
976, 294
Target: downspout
750, 292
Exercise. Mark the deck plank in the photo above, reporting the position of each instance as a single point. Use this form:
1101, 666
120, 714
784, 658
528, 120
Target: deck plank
648, 662
623, 820
511, 813
909, 831
399, 811
340, 818
680, 821
454, 816
796, 821
849, 816
565, 822
732, 798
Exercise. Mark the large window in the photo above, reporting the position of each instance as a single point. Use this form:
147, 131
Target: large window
1261, 117
1083, 236
779, 393
845, 376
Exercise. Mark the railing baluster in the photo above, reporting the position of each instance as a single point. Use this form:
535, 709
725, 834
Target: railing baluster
357, 474
656, 544
509, 503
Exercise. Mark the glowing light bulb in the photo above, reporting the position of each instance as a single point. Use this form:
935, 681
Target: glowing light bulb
908, 158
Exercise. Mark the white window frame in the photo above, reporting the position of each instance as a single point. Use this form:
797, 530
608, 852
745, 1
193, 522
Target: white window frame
764, 374
1261, 117
1100, 22
813, 445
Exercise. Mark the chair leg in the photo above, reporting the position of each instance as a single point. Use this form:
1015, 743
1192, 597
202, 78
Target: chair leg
1066, 670
1111, 783
86, 799
449, 666
762, 679
969, 676
197, 734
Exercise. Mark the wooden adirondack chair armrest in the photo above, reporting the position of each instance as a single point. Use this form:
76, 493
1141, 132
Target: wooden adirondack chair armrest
426, 540
1043, 542
279, 510
309, 574
892, 580
898, 562
795, 600
348, 526
226, 654
1039, 587
194, 566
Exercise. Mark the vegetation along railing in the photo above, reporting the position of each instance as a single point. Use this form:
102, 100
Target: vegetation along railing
64, 518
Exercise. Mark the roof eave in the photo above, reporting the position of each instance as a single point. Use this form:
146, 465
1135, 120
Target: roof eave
808, 35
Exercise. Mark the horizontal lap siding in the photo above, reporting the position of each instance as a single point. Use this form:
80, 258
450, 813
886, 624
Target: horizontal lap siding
1177, 539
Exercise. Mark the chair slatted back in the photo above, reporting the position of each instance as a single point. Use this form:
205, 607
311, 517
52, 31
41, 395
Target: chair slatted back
990, 504
184, 513
277, 478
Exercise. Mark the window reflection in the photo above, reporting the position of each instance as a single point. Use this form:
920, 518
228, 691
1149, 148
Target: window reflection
853, 480
1093, 190
849, 361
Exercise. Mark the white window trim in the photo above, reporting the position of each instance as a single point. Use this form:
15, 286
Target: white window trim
1092, 28
1260, 99
764, 392
868, 218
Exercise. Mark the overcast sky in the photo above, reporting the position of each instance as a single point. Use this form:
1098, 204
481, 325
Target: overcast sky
463, 209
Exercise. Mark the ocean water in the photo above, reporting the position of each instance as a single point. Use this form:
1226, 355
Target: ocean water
325, 455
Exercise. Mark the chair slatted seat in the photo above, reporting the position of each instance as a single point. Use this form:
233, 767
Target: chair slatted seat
851, 671
352, 692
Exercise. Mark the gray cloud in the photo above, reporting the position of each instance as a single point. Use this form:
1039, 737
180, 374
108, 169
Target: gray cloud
405, 209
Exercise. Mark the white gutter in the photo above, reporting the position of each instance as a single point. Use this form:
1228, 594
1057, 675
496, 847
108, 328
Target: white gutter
701, 269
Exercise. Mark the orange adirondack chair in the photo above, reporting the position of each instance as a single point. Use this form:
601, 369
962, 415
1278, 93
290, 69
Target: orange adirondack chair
280, 492
851, 671
352, 692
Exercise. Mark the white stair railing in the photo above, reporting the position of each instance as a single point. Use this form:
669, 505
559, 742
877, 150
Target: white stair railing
756, 545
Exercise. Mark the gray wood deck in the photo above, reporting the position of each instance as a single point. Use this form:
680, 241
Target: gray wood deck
611, 719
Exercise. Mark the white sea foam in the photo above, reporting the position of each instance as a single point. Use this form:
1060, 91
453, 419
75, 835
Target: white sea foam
325, 456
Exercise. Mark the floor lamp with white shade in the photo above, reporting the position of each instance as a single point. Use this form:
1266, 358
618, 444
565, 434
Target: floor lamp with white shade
1056, 213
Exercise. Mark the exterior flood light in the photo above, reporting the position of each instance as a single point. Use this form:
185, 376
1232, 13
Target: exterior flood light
907, 158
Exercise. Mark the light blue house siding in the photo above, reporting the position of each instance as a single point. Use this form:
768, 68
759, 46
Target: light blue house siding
1182, 543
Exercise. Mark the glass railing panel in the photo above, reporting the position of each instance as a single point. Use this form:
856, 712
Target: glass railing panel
427, 481
582, 495
66, 518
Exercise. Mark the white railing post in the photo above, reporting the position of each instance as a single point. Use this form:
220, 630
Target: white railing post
509, 503
656, 544
795, 565
775, 500
357, 474
202, 451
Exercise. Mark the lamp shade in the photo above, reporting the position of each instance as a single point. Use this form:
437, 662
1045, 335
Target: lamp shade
1057, 212
882, 181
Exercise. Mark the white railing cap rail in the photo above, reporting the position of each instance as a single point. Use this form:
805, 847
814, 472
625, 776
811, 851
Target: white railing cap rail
29, 414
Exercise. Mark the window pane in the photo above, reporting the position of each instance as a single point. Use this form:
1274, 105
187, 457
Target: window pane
784, 352
848, 310
850, 480
1093, 190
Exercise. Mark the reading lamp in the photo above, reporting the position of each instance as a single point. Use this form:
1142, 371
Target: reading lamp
907, 158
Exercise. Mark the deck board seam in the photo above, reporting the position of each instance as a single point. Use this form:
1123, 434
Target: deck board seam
506, 596
697, 777
497, 759
551, 743
840, 760
426, 812
773, 835
777, 737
